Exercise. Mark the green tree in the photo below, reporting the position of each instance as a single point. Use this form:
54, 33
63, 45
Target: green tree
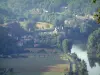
65, 44
8, 45
94, 41
97, 16
84, 68
74, 55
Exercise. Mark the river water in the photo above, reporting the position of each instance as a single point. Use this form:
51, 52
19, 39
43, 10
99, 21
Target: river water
81, 53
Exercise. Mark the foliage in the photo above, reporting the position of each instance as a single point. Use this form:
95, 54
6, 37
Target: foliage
24, 8
29, 44
54, 12
94, 41
5, 16
84, 68
94, 1
97, 16
16, 30
8, 45
27, 25
74, 55
66, 45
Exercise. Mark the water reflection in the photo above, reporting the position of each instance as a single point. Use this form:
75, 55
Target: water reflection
93, 64
93, 61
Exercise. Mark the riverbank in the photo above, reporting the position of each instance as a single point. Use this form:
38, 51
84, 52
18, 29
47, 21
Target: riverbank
82, 54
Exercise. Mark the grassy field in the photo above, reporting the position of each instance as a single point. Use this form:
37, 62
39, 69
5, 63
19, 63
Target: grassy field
51, 65
43, 25
38, 73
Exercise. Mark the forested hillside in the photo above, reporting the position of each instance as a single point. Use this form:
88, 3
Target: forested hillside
77, 14
75, 17
56, 9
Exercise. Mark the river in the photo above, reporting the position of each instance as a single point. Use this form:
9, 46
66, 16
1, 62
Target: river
81, 53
